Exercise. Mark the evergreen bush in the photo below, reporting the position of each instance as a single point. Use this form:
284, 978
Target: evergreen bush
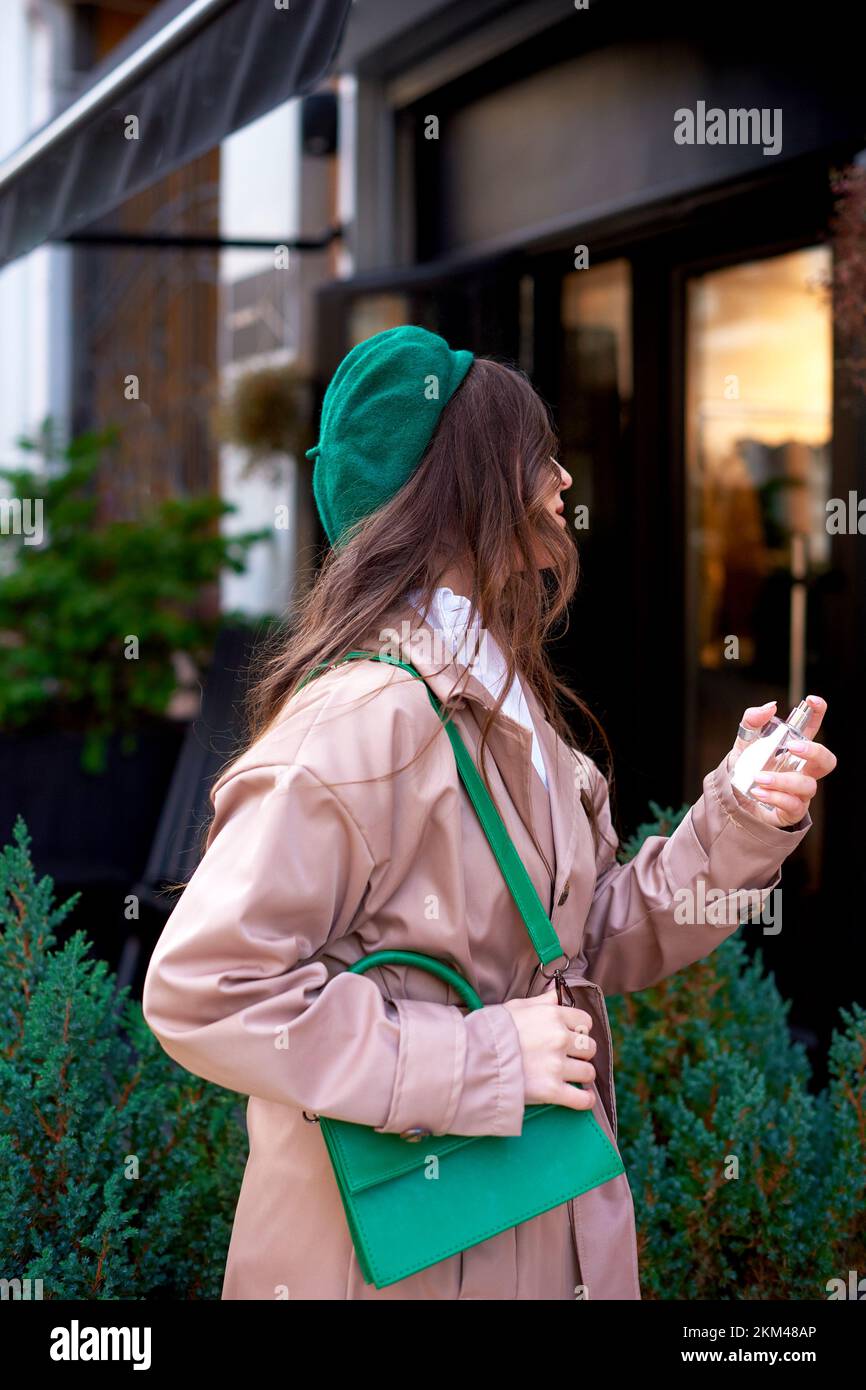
119, 1171
746, 1184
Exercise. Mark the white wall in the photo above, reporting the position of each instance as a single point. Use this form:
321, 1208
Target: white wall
259, 197
34, 291
266, 585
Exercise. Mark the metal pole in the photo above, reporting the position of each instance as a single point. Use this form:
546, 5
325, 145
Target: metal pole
193, 241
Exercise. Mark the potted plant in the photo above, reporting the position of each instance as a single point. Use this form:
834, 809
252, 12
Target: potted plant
103, 637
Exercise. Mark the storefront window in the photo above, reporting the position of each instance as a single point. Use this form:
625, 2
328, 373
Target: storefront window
373, 313
758, 432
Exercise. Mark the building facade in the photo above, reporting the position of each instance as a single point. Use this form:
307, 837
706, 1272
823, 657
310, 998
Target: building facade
637, 209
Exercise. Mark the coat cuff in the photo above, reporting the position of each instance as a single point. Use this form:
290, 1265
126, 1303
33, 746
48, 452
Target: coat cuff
456, 1074
782, 840
743, 848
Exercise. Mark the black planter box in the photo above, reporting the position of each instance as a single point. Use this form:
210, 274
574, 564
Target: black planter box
87, 829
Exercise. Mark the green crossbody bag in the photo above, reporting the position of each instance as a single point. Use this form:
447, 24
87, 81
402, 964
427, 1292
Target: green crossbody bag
405, 1212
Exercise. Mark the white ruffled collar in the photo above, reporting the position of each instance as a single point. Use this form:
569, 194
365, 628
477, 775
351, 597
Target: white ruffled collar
448, 614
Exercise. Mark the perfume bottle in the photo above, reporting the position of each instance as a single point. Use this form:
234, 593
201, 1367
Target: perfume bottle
770, 753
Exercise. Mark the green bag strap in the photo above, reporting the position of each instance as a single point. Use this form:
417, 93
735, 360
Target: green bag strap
428, 963
536, 921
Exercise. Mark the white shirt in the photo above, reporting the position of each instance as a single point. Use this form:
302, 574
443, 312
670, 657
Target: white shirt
449, 616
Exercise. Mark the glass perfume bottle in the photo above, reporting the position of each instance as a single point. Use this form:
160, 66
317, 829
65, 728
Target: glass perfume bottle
770, 753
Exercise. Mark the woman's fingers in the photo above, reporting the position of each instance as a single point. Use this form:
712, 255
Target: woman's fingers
782, 798
818, 706
793, 808
580, 1045
819, 759
556, 1048
573, 1097
795, 783
577, 1020
577, 1070
755, 717
789, 792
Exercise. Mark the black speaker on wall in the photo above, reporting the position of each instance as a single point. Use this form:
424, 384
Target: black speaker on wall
319, 124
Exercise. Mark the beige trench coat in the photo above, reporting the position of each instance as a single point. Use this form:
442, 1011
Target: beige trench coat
307, 868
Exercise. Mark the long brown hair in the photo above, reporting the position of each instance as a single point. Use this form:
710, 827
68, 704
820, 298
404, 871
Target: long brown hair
478, 498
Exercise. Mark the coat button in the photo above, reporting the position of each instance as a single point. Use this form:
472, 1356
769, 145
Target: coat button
415, 1133
564, 894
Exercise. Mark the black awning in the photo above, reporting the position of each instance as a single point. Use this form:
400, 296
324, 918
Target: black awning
191, 74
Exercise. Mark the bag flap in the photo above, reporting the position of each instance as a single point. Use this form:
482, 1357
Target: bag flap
364, 1157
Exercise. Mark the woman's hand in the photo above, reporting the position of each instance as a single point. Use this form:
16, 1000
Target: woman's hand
555, 1045
785, 796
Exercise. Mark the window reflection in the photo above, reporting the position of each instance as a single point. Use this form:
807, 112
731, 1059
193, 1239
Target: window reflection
758, 431
596, 381
373, 313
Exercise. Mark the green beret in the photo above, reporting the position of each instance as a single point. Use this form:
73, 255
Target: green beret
378, 416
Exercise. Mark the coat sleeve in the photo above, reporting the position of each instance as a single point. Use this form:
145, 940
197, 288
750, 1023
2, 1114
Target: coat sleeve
233, 995
681, 895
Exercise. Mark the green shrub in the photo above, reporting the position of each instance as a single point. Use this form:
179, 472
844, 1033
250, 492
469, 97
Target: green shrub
706, 1072
119, 1171
70, 605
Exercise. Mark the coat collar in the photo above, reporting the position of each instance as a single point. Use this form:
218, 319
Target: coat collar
412, 639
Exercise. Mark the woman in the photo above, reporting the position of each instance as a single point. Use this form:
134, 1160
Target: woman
343, 828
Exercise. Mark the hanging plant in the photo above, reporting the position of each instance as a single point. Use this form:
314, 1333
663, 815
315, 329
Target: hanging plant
268, 412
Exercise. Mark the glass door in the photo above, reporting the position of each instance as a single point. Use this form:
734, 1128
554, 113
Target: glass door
759, 412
